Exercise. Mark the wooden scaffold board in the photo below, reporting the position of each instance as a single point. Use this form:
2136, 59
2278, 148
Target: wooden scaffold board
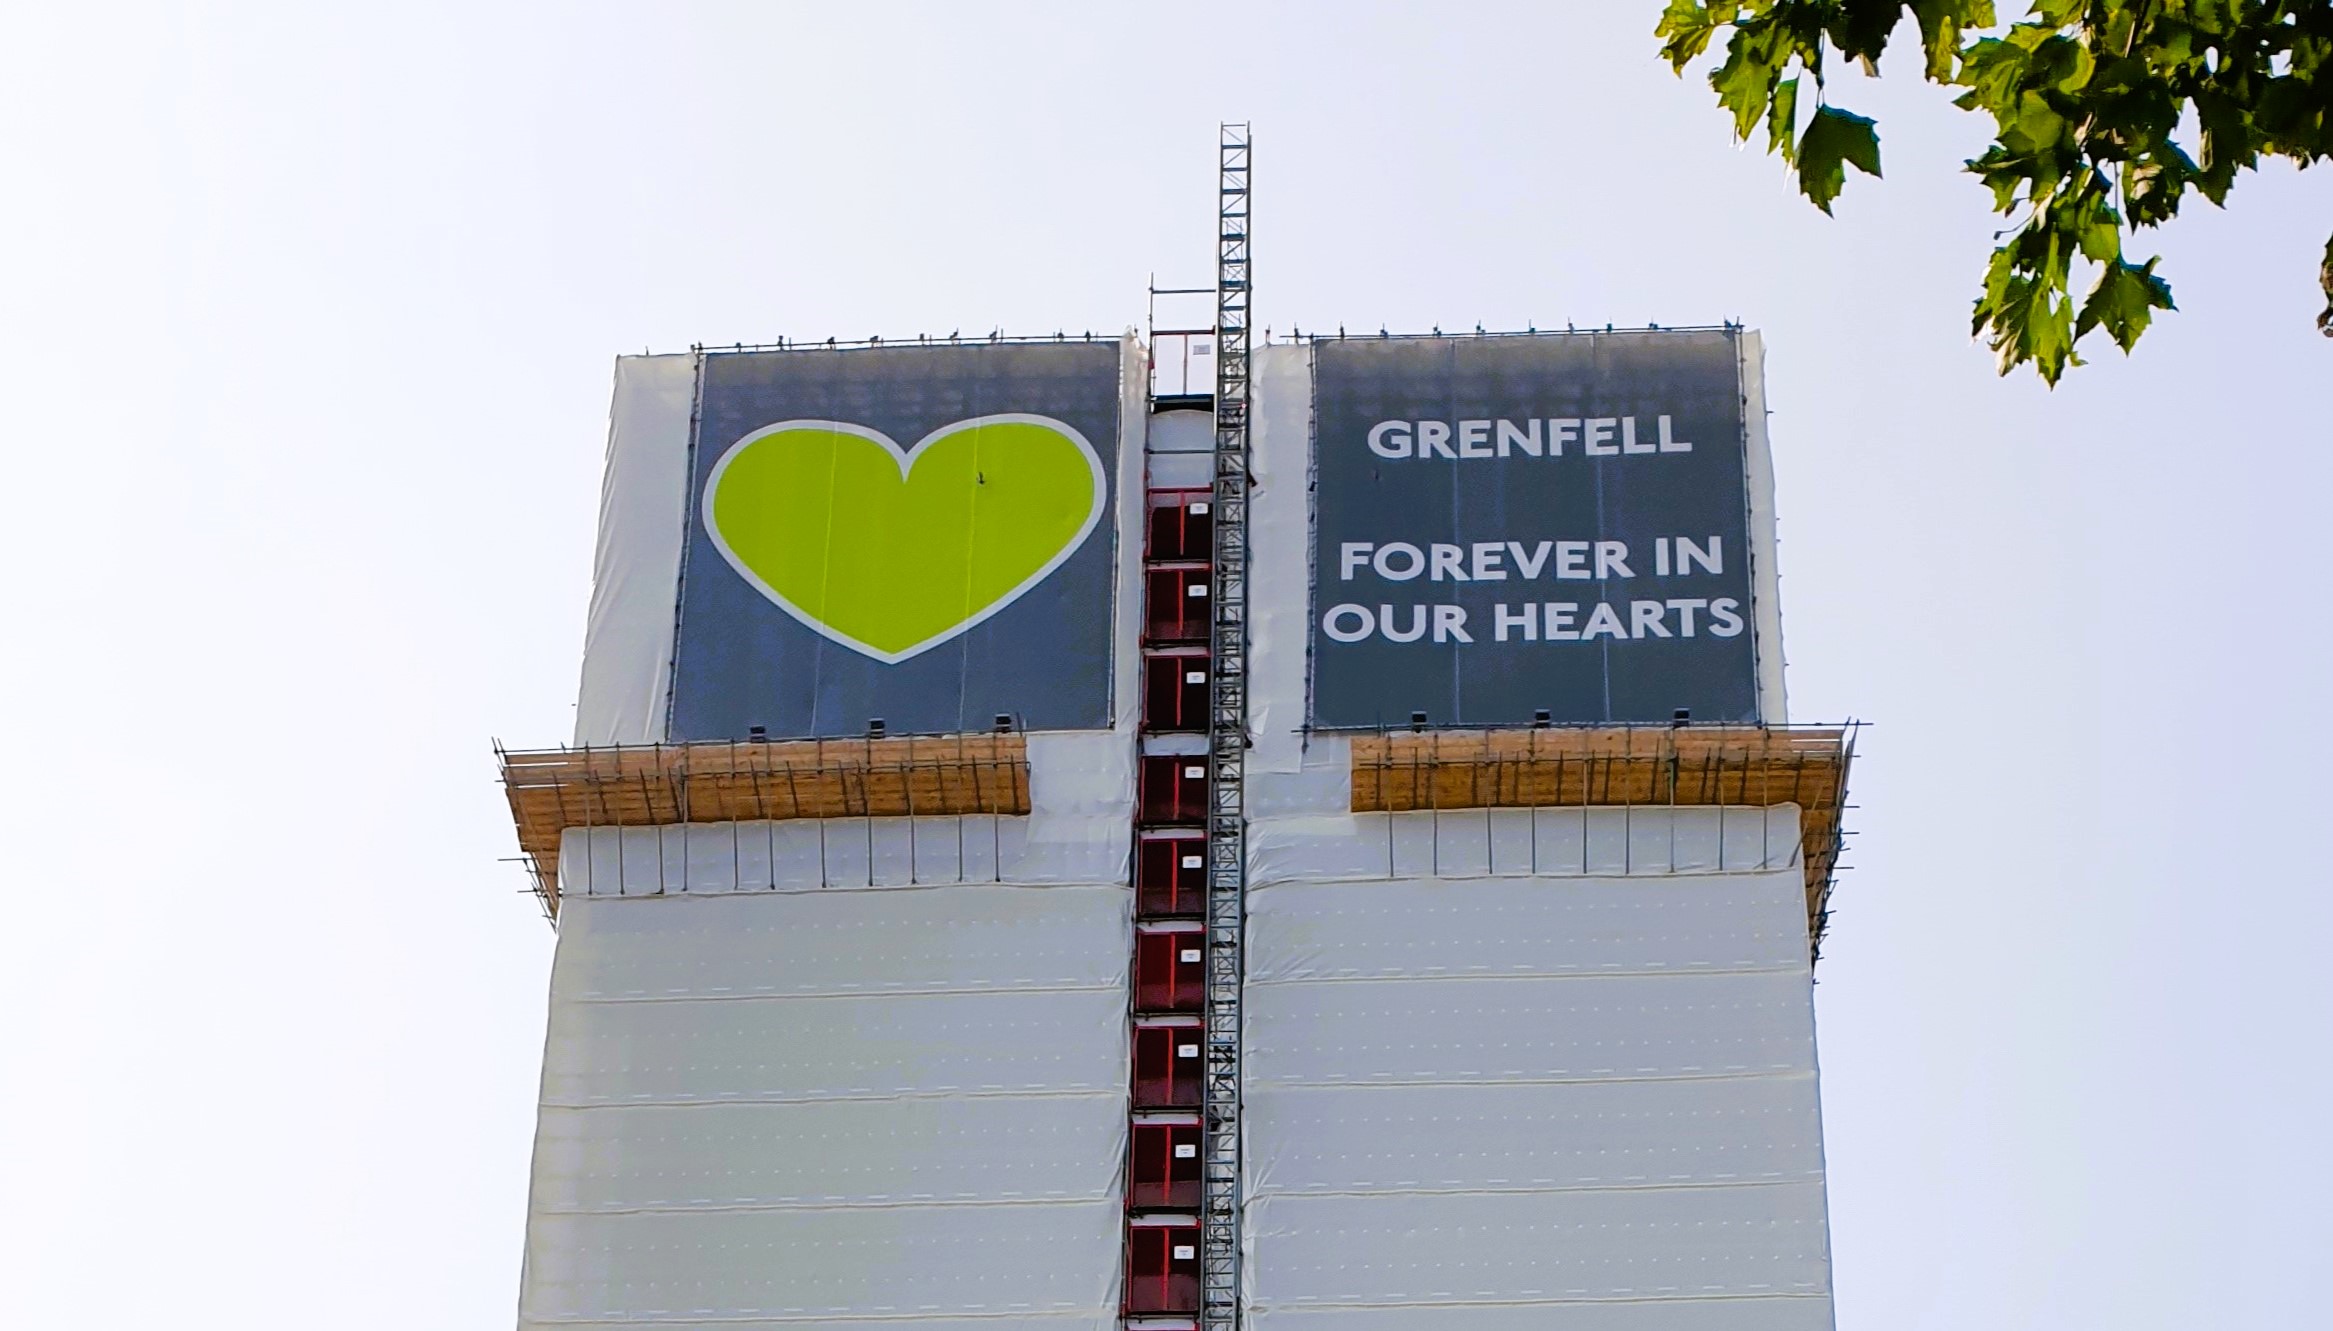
655, 785
1621, 766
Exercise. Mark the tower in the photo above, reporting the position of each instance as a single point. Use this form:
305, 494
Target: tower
1310, 841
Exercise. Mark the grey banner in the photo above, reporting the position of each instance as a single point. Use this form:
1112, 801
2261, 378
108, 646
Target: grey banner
1505, 526
917, 535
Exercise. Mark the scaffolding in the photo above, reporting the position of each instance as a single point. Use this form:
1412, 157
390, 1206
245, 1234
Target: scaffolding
1624, 767
1227, 742
664, 785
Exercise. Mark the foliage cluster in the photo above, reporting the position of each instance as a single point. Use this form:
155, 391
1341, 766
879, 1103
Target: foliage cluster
2090, 101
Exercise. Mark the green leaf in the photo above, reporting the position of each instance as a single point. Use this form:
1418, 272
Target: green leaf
2063, 63
1834, 139
2000, 271
2095, 107
2124, 302
2227, 143
1686, 27
1989, 69
2153, 182
1782, 121
2101, 237
1746, 79
2025, 324
2084, 213
2003, 174
2038, 123
1940, 24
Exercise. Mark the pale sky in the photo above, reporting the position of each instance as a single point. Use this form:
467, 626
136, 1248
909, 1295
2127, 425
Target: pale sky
306, 334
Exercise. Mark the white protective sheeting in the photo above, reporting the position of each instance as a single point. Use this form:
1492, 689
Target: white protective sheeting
1185, 432
1526, 928
1500, 843
838, 852
1128, 518
1279, 612
1765, 574
1774, 1313
841, 1267
635, 575
1081, 798
833, 1108
1181, 452
1497, 1103
1538, 1136
1441, 1251
1320, 782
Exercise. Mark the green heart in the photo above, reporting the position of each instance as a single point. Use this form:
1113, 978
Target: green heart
891, 551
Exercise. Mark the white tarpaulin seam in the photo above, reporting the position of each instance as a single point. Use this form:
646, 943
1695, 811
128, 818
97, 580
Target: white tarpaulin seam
1629, 1185
1063, 1316
1552, 973
1647, 874
843, 1097
1810, 1293
888, 991
840, 1204
1601, 1075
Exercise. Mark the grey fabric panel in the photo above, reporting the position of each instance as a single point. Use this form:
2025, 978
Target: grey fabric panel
1533, 1136
1320, 931
827, 1048
983, 937
1491, 1104
1435, 1250
1809, 1312
1534, 1029
1081, 1320
834, 1108
867, 1262
830, 1153
1071, 1321
1302, 844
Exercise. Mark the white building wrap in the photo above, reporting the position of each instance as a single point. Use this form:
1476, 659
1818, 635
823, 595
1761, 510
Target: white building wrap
1586, 1092
1500, 1068
827, 1107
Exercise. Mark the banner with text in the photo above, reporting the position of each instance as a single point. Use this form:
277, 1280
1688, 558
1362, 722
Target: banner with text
1509, 529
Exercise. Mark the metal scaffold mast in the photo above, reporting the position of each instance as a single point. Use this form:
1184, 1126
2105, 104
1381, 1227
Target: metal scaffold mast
1227, 749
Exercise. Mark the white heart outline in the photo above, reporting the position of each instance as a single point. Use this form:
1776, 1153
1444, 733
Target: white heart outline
906, 458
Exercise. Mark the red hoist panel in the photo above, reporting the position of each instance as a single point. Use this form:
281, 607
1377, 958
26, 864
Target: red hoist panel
1167, 1067
1174, 692
1162, 1268
1170, 878
1170, 974
1164, 1174
1181, 525
1174, 790
1163, 1177
1175, 603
